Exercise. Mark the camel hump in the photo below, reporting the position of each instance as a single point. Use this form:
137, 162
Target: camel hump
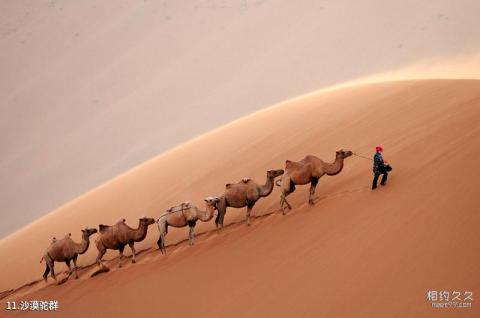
311, 158
228, 185
103, 227
288, 163
182, 206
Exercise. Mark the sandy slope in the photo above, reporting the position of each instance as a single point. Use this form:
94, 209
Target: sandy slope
90, 89
356, 253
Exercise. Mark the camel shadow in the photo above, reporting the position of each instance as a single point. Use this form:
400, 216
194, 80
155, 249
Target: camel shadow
100, 271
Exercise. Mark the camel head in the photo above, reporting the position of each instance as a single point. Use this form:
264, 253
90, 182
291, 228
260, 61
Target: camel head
89, 231
146, 221
342, 154
212, 201
211, 205
273, 173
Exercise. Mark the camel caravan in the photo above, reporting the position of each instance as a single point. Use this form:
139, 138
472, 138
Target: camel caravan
244, 193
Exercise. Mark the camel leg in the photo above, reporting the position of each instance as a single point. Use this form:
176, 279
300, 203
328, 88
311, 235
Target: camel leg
50, 265
162, 228
191, 233
70, 271
45, 274
222, 217
75, 266
220, 222
101, 252
120, 258
287, 188
283, 199
288, 204
103, 267
132, 247
219, 219
282, 202
162, 247
249, 211
222, 209
313, 185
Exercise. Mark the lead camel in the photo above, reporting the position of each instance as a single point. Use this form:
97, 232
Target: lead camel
308, 170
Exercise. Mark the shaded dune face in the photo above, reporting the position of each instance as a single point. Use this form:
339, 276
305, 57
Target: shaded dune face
379, 251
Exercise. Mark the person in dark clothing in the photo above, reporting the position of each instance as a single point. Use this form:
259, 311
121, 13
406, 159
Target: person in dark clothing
379, 168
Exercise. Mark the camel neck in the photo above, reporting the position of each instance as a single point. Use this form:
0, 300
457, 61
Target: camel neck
140, 232
206, 215
267, 188
334, 168
82, 247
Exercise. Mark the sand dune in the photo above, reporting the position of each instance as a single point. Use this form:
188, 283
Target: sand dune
356, 253
91, 89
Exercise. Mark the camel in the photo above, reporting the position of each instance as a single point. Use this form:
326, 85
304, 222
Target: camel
66, 250
308, 170
183, 215
117, 236
244, 193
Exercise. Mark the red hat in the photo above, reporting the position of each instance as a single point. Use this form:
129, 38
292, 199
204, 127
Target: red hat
379, 148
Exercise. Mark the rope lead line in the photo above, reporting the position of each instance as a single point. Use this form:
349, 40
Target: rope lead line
362, 156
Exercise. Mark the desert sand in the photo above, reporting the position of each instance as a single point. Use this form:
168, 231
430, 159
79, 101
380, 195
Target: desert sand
355, 253
91, 89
